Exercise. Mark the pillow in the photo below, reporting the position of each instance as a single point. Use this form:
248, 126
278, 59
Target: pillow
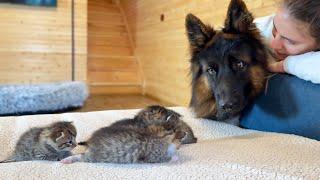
290, 105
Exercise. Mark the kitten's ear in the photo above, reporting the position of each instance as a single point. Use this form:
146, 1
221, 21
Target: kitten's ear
69, 122
198, 33
239, 19
168, 118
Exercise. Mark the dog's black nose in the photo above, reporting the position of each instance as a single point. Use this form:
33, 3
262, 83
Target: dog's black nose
227, 106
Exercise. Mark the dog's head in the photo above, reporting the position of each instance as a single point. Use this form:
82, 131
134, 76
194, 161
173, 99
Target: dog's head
228, 65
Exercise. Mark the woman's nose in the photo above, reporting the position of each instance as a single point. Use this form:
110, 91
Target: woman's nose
276, 43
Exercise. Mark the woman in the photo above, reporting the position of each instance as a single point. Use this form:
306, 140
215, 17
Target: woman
291, 104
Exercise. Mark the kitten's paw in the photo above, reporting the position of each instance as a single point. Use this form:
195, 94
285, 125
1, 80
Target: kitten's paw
172, 150
174, 158
71, 159
68, 160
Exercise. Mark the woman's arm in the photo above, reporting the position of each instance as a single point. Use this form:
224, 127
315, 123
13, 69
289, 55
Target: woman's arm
305, 66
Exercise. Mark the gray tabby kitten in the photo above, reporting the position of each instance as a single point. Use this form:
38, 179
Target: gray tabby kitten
152, 136
160, 116
128, 145
51, 143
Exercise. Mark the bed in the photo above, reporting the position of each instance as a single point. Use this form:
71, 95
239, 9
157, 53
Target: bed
223, 151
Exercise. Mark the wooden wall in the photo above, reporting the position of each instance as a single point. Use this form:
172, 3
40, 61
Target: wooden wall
162, 46
129, 48
112, 66
35, 43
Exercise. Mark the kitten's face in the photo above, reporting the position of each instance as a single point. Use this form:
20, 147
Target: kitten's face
172, 120
63, 135
158, 115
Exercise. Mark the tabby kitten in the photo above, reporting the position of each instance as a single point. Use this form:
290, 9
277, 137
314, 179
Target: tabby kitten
128, 145
51, 143
159, 116
152, 136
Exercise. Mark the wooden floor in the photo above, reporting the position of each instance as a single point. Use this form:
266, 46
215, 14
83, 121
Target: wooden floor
108, 102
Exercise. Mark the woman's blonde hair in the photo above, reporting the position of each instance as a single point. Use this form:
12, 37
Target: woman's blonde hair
307, 11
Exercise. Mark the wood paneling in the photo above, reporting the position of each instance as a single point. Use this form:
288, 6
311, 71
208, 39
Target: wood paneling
115, 89
113, 63
35, 43
162, 46
112, 66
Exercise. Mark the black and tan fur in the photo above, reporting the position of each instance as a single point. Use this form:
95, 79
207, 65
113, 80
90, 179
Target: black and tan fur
228, 66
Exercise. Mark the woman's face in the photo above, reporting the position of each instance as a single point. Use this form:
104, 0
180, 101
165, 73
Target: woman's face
290, 36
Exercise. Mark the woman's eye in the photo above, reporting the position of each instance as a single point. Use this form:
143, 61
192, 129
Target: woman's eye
273, 32
290, 42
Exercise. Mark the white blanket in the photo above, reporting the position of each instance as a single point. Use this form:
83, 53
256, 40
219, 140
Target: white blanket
223, 151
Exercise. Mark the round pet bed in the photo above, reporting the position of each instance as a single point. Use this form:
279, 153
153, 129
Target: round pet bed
42, 98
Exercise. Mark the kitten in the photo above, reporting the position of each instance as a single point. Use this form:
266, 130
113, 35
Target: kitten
51, 143
128, 145
153, 135
160, 116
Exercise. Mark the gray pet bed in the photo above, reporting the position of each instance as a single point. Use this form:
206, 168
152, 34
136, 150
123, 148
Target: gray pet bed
42, 98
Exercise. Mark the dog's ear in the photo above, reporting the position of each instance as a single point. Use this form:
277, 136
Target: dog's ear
198, 33
239, 19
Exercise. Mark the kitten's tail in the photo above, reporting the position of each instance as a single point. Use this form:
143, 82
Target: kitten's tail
83, 143
9, 160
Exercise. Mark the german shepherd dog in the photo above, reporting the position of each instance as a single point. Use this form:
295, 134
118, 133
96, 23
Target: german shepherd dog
228, 66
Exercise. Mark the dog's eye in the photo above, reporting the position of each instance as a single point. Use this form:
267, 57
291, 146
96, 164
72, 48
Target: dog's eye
211, 71
239, 66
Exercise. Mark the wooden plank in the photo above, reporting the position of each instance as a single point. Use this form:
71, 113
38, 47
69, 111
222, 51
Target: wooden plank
102, 102
100, 12
111, 41
114, 77
111, 51
110, 28
114, 89
112, 64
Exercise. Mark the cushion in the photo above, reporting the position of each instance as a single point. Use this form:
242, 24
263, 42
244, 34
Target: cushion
41, 98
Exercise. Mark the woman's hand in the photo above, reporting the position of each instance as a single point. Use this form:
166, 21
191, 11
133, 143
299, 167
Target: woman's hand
276, 67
